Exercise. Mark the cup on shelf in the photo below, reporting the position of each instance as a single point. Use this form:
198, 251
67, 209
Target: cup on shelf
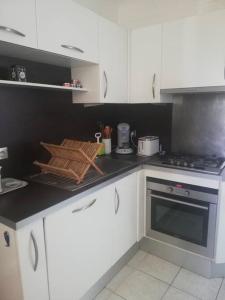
108, 145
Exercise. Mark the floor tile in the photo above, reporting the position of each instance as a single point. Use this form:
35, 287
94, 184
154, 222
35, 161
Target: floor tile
108, 295
119, 278
138, 257
103, 295
140, 286
198, 286
158, 268
175, 294
221, 295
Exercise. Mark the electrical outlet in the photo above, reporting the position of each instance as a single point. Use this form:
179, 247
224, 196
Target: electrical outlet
3, 153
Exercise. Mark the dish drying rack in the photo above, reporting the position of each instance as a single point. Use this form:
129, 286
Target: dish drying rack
71, 159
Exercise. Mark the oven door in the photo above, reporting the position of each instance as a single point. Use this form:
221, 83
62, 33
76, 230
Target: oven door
183, 222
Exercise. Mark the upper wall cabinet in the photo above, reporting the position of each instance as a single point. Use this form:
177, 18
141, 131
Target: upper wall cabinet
107, 82
18, 22
145, 64
113, 42
66, 28
194, 52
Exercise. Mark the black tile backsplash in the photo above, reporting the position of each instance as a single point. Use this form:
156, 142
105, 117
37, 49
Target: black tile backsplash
28, 116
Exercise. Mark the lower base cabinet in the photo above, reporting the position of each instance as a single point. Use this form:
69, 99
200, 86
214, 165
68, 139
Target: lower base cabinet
23, 273
78, 245
84, 239
125, 217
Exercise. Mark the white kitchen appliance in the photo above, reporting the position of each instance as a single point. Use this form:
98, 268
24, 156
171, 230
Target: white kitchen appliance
148, 145
123, 137
182, 214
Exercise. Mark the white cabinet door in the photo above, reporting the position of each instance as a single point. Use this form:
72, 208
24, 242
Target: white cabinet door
113, 44
145, 64
79, 245
194, 52
32, 261
18, 22
66, 28
125, 216
10, 280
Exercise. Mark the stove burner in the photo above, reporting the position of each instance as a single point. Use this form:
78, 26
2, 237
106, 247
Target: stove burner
206, 164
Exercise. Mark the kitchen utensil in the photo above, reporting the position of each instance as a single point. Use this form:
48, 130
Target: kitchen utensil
123, 136
148, 145
98, 135
107, 132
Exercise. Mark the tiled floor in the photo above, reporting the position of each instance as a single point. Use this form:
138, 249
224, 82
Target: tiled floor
147, 277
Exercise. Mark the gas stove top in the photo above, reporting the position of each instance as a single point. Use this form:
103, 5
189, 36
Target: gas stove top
202, 164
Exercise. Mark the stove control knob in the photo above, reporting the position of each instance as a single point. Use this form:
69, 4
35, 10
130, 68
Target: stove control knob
187, 193
170, 189
171, 161
185, 164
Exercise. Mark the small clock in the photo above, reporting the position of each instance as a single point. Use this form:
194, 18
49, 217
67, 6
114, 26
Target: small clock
18, 73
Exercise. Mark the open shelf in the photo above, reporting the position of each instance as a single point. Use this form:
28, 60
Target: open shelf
40, 86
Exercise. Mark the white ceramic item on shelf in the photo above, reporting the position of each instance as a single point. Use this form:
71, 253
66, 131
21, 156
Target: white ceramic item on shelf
108, 146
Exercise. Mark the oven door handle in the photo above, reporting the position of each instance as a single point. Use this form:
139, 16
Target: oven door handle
180, 202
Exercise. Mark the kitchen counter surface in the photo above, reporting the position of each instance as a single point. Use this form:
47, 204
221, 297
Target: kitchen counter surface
23, 206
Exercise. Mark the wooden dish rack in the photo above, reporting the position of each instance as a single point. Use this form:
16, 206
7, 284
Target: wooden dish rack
71, 159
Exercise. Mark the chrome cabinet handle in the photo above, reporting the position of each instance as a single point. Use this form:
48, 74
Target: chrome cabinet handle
118, 201
180, 202
72, 48
84, 207
9, 29
106, 84
153, 85
35, 265
7, 239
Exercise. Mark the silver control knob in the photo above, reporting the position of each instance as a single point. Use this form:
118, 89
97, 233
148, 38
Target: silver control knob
170, 189
187, 193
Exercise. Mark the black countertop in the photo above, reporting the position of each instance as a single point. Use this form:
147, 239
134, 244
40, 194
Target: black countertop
20, 206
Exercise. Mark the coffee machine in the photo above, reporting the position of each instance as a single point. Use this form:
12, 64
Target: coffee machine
123, 139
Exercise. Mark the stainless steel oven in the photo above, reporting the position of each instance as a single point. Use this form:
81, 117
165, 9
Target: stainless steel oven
181, 214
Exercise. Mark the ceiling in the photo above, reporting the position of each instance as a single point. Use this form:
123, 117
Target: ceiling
137, 13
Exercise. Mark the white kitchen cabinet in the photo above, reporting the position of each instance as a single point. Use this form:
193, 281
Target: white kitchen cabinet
125, 216
84, 239
65, 27
108, 81
79, 245
194, 52
18, 22
145, 64
113, 47
23, 274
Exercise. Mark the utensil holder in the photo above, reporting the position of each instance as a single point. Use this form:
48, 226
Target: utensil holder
108, 145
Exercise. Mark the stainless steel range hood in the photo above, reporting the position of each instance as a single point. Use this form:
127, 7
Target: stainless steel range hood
194, 90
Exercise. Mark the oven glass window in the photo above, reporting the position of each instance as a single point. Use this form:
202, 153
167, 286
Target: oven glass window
185, 222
